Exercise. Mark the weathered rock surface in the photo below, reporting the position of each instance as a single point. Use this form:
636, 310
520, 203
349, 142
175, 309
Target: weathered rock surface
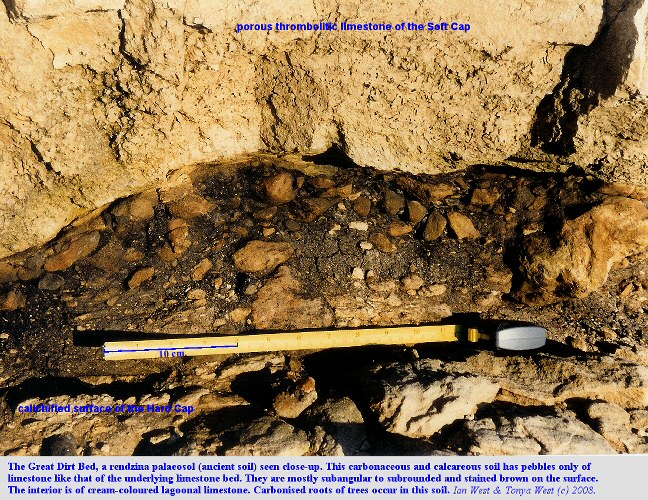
550, 380
341, 419
279, 304
102, 98
411, 404
534, 435
269, 436
613, 423
588, 247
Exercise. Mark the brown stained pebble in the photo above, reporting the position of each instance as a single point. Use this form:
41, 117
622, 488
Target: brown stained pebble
321, 182
241, 231
140, 276
309, 209
262, 256
341, 191
382, 243
484, 197
191, 206
109, 258
393, 202
434, 227
291, 404
12, 300
398, 229
27, 274
279, 188
307, 385
416, 212
72, 252
539, 202
362, 206
291, 225
202, 268
133, 255
179, 239
462, 226
430, 192
265, 213
197, 294
51, 282
138, 208
167, 254
8, 272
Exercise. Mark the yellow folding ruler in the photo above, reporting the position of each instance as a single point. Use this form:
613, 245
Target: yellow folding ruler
508, 336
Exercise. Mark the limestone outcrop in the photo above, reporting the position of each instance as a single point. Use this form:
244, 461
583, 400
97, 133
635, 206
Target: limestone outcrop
102, 98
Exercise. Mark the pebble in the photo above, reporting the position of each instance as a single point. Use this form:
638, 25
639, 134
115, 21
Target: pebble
262, 256
394, 202
138, 208
358, 274
133, 255
291, 225
310, 209
191, 206
382, 243
334, 230
279, 188
265, 213
321, 182
12, 300
434, 227
412, 282
365, 245
362, 206
269, 231
51, 282
359, 226
179, 239
197, 294
202, 268
484, 197
292, 403
342, 191
8, 272
416, 211
462, 226
397, 229
140, 276
73, 251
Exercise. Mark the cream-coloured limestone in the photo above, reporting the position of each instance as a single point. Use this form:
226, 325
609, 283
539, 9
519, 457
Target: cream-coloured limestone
101, 98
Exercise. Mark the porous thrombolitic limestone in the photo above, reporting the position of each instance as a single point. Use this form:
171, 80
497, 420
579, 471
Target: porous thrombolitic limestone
101, 98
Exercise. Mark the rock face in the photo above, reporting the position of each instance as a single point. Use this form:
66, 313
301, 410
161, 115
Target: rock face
101, 98
534, 435
588, 248
407, 403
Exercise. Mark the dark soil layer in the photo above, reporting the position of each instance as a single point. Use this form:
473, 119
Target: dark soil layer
354, 247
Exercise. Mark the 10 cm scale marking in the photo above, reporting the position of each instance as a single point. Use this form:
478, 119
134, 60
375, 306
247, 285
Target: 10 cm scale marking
287, 341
